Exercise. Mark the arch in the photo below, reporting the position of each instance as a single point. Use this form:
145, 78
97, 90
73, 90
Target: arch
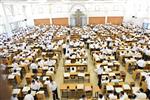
76, 6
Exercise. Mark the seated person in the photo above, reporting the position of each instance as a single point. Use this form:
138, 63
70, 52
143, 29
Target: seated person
15, 72
141, 63
29, 96
38, 82
84, 61
101, 97
34, 67
73, 69
123, 96
83, 97
14, 97
114, 79
106, 80
112, 96
140, 95
35, 86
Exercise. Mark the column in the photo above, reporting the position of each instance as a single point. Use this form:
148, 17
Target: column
6, 21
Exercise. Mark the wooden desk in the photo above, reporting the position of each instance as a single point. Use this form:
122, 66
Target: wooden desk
79, 67
76, 77
76, 90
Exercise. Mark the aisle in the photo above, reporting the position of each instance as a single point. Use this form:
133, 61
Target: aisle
59, 75
91, 68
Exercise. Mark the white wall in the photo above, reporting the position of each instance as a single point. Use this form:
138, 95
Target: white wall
30, 11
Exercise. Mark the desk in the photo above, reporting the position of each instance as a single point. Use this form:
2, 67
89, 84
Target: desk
76, 77
76, 90
79, 67
121, 86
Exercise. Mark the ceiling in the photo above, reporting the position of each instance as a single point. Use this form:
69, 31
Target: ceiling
63, 0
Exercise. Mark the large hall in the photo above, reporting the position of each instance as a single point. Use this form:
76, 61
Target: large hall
74, 50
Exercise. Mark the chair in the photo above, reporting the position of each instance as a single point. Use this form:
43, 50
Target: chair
80, 90
73, 69
88, 90
81, 77
64, 91
66, 77
72, 91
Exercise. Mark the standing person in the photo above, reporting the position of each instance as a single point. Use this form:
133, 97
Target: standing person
141, 64
101, 97
4, 89
83, 97
34, 67
99, 71
64, 48
53, 87
14, 97
148, 86
29, 96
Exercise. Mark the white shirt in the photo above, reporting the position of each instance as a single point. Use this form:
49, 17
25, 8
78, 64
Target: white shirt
50, 47
140, 96
35, 86
102, 98
115, 80
33, 66
124, 97
53, 86
16, 73
148, 82
47, 82
41, 63
147, 52
112, 97
99, 71
28, 97
14, 98
141, 63
15, 65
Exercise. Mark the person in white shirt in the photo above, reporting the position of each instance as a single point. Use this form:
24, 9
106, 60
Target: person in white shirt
15, 72
123, 96
112, 96
106, 80
141, 63
53, 88
50, 47
35, 86
64, 48
140, 95
101, 97
83, 97
15, 65
41, 63
34, 67
14, 97
2, 67
108, 41
114, 79
99, 71
39, 84
84, 61
148, 85
47, 82
29, 96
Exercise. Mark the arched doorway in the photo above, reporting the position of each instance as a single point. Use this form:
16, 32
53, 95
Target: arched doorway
78, 16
